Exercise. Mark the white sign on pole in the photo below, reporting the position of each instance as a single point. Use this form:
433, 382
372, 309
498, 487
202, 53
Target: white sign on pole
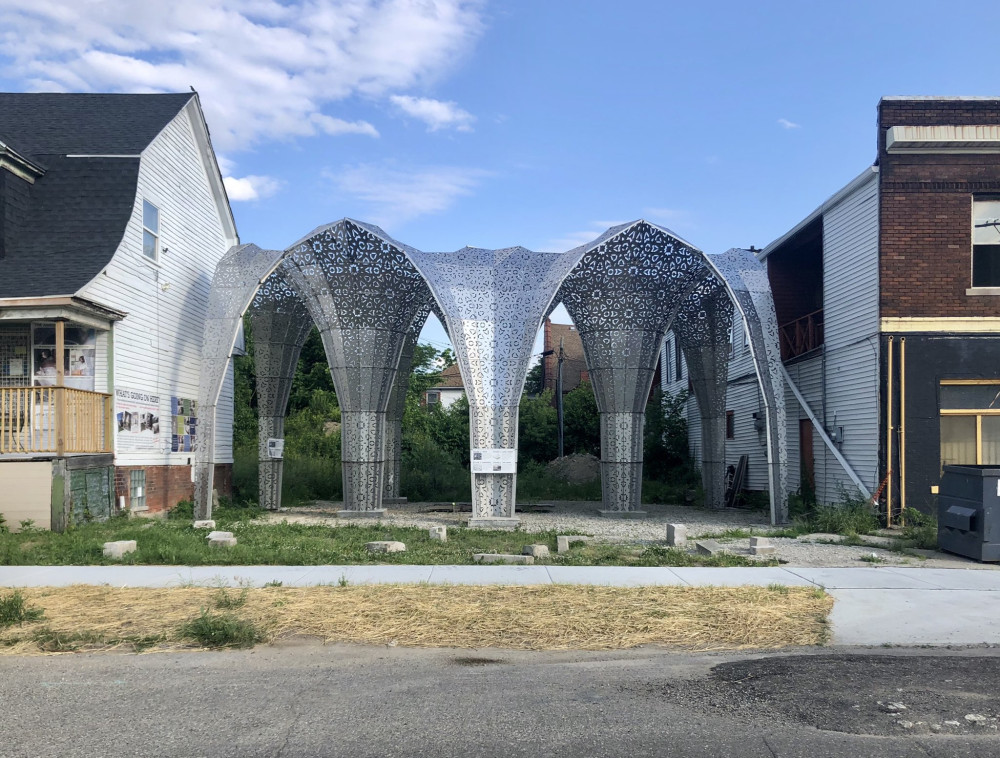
494, 460
275, 448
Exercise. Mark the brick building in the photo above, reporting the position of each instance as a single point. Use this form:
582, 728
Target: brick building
888, 304
574, 363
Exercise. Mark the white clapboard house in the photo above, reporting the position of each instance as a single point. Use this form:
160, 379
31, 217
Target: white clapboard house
113, 216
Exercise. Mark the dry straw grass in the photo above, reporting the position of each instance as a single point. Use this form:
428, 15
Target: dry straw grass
525, 618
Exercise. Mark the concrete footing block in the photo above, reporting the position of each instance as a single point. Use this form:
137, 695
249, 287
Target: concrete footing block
213, 535
222, 542
386, 546
205, 524
623, 514
709, 547
119, 549
517, 560
379, 513
563, 542
494, 523
439, 533
536, 551
677, 535
762, 546
394, 501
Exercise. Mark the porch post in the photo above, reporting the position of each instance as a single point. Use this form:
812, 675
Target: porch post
60, 387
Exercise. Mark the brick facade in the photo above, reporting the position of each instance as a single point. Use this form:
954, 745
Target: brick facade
574, 363
926, 213
168, 485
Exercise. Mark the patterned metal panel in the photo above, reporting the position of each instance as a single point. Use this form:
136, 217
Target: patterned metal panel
236, 279
746, 281
703, 325
364, 294
280, 324
622, 296
493, 302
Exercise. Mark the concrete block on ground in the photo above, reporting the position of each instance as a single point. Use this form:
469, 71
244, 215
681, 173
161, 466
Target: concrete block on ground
519, 560
219, 535
439, 533
119, 549
536, 551
763, 550
677, 535
206, 524
386, 546
222, 542
709, 547
760, 542
563, 542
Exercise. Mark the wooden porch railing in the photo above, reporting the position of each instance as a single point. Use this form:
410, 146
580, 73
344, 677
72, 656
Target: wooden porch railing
55, 420
801, 335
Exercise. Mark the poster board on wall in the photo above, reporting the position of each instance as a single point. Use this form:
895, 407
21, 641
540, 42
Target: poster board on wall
137, 415
493, 460
184, 424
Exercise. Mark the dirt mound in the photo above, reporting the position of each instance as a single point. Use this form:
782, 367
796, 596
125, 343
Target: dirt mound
576, 469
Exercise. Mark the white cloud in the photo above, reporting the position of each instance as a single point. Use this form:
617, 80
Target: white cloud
575, 239
435, 113
250, 187
788, 124
265, 69
395, 195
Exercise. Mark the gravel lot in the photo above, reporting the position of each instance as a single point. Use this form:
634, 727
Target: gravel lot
582, 517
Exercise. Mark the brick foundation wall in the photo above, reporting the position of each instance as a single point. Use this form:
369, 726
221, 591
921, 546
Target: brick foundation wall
168, 485
926, 213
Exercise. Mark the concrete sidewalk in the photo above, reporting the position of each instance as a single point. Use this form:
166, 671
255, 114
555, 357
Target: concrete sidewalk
874, 605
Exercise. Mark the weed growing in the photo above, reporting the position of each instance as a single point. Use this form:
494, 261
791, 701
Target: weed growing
221, 630
14, 609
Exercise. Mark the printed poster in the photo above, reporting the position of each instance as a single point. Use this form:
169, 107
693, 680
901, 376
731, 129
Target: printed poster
184, 424
137, 414
494, 461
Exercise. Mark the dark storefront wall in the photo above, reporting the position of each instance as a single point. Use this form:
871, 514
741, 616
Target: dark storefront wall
929, 360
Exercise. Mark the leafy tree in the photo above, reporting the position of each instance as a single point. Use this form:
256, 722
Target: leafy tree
581, 421
537, 433
533, 382
665, 438
312, 376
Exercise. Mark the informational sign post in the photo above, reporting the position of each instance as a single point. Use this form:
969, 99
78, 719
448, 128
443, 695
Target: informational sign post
275, 448
494, 460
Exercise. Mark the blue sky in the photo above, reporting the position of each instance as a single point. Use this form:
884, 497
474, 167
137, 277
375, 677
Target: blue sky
531, 122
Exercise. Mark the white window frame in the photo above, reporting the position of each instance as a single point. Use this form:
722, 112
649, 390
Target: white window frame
154, 233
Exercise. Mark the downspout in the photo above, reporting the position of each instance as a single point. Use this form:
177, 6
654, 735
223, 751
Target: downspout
888, 438
902, 429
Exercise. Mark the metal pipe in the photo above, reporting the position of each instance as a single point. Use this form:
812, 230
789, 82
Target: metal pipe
902, 429
888, 444
559, 395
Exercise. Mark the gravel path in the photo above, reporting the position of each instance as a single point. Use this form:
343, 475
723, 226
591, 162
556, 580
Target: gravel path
582, 517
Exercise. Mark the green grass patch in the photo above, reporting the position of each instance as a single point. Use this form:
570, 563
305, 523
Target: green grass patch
14, 609
176, 542
220, 630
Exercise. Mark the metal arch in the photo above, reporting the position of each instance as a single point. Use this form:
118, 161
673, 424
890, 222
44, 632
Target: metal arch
234, 284
703, 326
493, 302
363, 293
397, 406
280, 324
746, 280
622, 296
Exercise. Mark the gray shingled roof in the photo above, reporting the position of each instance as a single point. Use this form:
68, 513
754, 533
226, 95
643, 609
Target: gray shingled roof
62, 230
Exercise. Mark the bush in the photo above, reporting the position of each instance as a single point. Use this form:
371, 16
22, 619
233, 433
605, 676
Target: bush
920, 527
852, 516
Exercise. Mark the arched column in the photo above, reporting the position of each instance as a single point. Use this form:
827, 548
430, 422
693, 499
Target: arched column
363, 294
745, 278
280, 325
493, 302
703, 325
234, 284
622, 296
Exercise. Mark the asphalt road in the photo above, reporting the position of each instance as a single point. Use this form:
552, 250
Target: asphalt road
305, 699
